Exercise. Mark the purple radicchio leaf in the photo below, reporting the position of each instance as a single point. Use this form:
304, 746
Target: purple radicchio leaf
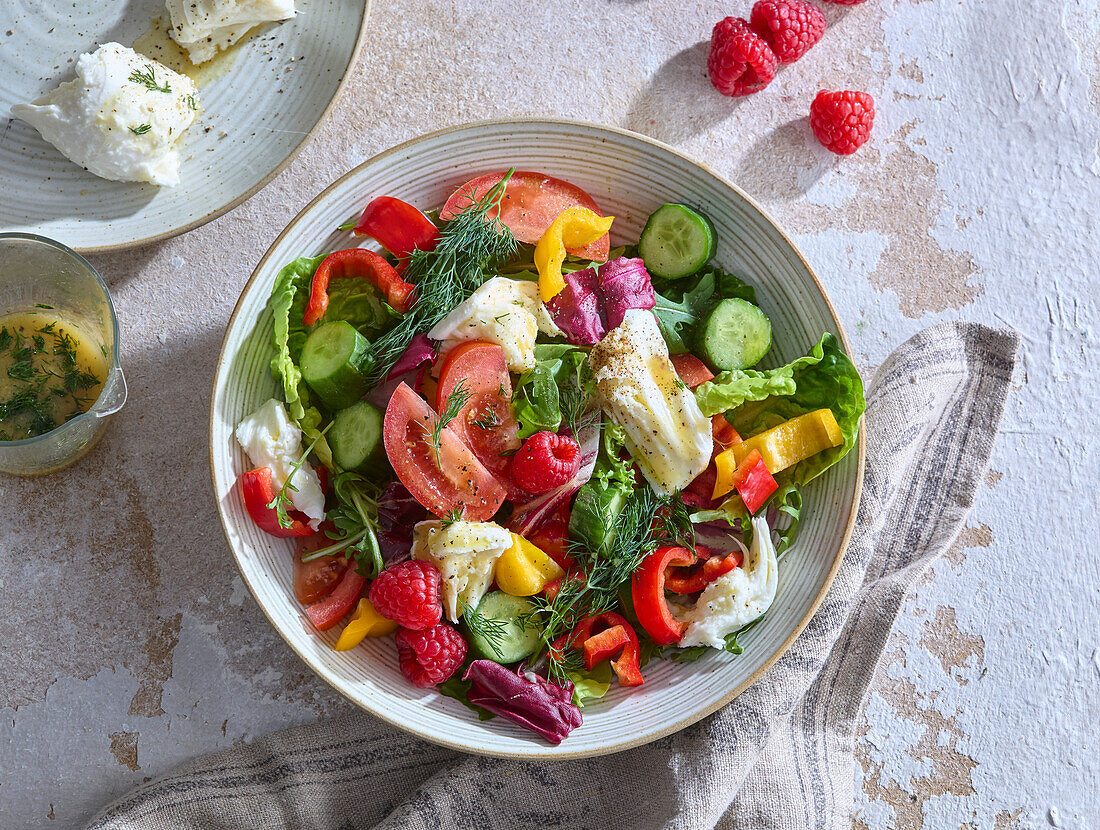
417, 358
576, 309
624, 284
398, 511
527, 699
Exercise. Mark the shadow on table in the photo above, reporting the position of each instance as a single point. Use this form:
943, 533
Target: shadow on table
778, 167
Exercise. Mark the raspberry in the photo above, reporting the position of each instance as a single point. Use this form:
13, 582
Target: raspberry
740, 61
408, 593
842, 120
545, 461
790, 27
429, 657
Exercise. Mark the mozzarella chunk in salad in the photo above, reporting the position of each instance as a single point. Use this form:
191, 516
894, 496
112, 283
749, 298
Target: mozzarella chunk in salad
737, 598
202, 27
503, 311
466, 555
123, 117
272, 440
636, 384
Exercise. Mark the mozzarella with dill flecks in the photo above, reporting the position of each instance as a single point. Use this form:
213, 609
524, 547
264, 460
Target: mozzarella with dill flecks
272, 440
735, 599
466, 555
503, 311
202, 27
123, 117
637, 385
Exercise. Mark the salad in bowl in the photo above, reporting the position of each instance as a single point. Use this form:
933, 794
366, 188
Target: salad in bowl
536, 461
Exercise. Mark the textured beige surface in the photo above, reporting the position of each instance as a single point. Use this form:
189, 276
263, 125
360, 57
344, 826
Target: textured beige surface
138, 646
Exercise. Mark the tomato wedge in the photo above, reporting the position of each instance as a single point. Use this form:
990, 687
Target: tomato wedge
457, 481
692, 371
316, 579
486, 423
329, 611
532, 201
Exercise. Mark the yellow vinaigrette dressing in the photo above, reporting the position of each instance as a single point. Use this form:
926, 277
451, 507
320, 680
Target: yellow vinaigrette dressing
50, 372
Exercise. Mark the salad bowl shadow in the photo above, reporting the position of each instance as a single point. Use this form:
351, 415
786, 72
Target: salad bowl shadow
628, 175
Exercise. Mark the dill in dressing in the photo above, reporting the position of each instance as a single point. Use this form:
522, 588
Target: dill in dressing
50, 372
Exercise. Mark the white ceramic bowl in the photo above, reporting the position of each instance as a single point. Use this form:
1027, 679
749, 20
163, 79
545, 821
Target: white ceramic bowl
628, 176
260, 105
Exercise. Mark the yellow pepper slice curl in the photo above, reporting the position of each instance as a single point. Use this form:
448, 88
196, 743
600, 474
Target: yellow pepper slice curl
365, 622
524, 569
785, 445
575, 227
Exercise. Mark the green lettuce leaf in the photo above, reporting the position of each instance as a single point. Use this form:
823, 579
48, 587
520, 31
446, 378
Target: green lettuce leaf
590, 685
288, 303
755, 401
359, 303
538, 397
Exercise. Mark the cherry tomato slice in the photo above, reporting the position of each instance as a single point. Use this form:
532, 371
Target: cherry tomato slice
532, 201
456, 481
486, 423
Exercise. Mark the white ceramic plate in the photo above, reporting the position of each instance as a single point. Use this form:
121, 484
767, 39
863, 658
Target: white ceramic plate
260, 104
628, 176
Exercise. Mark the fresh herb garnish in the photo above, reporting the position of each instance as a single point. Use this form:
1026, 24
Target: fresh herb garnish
141, 129
489, 419
455, 515
147, 78
191, 105
455, 401
5, 338
468, 246
44, 305
21, 370
493, 632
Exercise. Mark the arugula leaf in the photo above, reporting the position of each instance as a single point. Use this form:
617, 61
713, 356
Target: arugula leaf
688, 655
539, 397
683, 304
288, 301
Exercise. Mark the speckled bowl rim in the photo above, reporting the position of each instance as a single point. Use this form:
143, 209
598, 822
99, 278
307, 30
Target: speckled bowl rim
266, 180
552, 753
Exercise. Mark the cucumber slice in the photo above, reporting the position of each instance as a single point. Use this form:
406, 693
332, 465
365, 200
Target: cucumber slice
676, 241
356, 438
505, 615
735, 335
332, 361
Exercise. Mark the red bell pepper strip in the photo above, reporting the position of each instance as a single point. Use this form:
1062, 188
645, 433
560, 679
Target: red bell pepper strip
725, 436
258, 492
329, 611
626, 667
753, 482
398, 227
648, 591
708, 567
357, 262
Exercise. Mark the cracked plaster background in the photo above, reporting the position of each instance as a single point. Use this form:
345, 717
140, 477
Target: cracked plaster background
129, 644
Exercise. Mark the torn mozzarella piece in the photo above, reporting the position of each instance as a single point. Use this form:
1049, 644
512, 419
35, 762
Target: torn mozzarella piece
737, 598
272, 440
466, 555
202, 27
502, 311
122, 117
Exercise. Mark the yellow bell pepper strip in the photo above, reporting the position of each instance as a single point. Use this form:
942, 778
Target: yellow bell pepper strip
575, 227
365, 622
792, 441
524, 569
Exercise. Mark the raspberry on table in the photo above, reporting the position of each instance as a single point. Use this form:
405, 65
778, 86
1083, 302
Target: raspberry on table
408, 593
740, 61
789, 27
842, 120
545, 461
430, 656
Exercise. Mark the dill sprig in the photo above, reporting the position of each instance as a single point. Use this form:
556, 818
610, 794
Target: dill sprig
492, 632
455, 401
141, 129
645, 522
147, 78
489, 419
468, 246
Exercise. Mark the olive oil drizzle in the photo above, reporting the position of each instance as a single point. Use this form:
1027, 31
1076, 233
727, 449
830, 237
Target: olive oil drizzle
43, 385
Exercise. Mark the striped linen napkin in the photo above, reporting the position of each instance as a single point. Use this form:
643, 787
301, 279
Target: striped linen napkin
779, 756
